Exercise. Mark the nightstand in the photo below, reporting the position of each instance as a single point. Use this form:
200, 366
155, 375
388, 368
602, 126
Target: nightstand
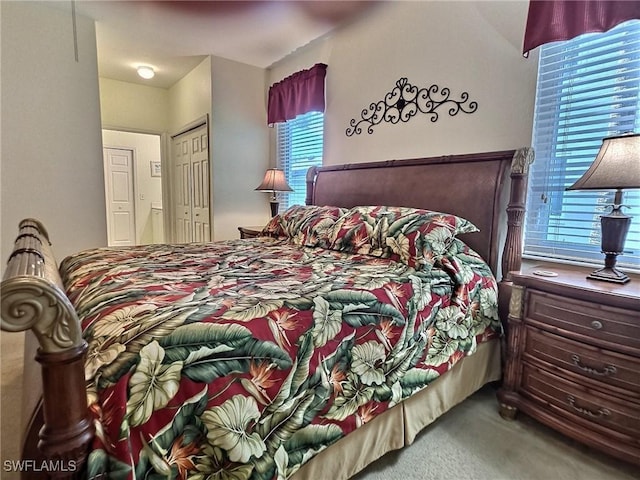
573, 357
250, 232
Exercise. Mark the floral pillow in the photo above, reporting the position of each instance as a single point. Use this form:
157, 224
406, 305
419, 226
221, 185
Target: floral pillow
413, 236
307, 225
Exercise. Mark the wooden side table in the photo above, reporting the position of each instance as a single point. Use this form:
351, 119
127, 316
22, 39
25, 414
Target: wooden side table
573, 357
250, 232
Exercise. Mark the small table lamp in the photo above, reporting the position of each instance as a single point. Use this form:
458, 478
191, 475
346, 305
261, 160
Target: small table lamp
617, 166
273, 182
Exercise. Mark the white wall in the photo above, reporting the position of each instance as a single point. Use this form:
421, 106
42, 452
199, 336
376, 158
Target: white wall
190, 98
465, 46
239, 146
148, 189
51, 158
129, 106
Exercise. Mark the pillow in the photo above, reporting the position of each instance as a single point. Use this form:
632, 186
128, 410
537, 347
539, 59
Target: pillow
307, 225
412, 236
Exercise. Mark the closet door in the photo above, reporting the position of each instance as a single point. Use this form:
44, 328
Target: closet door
182, 189
200, 176
191, 186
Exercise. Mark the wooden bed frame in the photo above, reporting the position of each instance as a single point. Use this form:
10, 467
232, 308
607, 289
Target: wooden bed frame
489, 189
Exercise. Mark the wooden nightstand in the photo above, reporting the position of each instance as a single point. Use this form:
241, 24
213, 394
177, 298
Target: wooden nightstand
573, 358
250, 232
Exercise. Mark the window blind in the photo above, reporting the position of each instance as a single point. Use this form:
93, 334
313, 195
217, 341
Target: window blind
588, 89
300, 143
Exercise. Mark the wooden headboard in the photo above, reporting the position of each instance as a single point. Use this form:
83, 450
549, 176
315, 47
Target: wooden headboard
488, 189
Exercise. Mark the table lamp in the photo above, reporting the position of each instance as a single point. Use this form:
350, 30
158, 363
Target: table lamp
274, 181
617, 166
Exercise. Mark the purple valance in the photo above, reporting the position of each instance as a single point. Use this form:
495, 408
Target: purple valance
299, 93
549, 20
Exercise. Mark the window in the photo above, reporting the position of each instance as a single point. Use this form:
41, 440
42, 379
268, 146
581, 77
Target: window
299, 147
588, 89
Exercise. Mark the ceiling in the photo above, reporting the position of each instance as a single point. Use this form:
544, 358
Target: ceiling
175, 36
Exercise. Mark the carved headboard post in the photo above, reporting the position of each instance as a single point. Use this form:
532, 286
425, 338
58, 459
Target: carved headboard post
33, 298
512, 253
311, 178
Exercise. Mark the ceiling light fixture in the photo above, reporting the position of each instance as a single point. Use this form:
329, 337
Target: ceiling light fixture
146, 72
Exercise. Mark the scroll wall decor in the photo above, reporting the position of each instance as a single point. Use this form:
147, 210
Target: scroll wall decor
405, 101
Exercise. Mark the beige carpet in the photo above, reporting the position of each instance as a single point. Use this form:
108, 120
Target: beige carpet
471, 442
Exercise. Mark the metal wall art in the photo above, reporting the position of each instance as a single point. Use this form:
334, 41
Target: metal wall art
406, 101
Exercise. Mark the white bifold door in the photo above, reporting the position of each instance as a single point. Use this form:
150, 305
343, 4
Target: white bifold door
190, 160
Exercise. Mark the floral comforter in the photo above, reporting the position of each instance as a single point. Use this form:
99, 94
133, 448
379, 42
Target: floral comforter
243, 359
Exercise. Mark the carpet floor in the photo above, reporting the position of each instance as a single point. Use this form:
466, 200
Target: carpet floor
470, 442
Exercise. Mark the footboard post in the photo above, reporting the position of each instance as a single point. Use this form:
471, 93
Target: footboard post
33, 298
67, 429
512, 253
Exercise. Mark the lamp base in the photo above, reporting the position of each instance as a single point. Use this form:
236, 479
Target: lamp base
609, 274
274, 208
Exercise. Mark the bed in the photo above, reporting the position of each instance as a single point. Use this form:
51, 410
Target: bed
308, 352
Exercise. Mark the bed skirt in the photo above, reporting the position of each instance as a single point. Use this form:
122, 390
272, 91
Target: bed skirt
398, 427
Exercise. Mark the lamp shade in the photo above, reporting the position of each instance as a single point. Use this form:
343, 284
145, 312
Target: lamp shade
617, 165
274, 181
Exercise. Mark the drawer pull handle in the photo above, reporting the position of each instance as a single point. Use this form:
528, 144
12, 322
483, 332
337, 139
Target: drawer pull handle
596, 325
602, 412
608, 370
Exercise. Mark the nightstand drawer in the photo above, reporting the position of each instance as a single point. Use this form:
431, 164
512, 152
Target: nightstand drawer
584, 321
597, 366
590, 408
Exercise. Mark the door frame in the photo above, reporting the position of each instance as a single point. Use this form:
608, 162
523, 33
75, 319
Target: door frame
165, 146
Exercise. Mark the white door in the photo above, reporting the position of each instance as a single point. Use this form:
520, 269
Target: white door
182, 191
191, 186
121, 225
200, 193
